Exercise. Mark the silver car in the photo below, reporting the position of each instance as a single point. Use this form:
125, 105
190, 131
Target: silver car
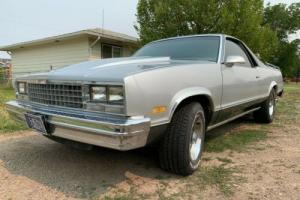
170, 93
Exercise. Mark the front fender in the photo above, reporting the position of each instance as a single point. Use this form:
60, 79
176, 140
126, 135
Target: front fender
186, 93
272, 85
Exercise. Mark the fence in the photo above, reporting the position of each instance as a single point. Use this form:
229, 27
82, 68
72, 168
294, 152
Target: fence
5, 75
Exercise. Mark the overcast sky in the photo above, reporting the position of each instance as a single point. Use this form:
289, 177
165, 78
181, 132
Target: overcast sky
33, 19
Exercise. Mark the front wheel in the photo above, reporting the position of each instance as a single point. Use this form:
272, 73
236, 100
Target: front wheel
182, 146
267, 111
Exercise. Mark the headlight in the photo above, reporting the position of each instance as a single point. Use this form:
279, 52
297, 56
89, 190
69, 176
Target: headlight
98, 93
22, 89
107, 94
115, 95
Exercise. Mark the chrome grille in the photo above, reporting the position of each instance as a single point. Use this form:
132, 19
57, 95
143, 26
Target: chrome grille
56, 94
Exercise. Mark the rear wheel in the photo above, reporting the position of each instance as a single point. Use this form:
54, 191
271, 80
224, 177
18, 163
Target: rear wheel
182, 146
267, 111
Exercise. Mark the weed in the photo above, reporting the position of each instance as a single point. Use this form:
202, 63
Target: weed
207, 159
221, 177
237, 141
124, 197
224, 160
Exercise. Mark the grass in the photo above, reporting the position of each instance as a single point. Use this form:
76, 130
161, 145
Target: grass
288, 108
221, 177
224, 160
6, 123
236, 141
6, 93
239, 140
118, 198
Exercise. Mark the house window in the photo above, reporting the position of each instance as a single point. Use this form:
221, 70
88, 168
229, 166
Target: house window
111, 51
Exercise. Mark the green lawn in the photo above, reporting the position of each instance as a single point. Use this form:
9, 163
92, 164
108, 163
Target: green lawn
6, 124
6, 93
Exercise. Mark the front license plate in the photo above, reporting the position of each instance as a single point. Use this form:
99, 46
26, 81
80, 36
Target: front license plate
36, 122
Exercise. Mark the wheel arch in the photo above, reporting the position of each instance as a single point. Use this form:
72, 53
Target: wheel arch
201, 95
273, 85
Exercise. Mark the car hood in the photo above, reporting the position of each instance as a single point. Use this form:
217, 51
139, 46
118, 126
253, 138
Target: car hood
110, 70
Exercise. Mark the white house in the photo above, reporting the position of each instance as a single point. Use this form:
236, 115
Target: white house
63, 50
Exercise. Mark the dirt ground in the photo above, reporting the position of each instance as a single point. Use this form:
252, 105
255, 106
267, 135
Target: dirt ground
33, 167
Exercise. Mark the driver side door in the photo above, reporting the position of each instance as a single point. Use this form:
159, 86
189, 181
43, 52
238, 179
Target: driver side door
239, 82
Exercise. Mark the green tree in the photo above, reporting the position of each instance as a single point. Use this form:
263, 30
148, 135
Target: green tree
288, 58
240, 18
285, 20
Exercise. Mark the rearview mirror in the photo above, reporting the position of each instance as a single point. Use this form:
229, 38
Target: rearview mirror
232, 60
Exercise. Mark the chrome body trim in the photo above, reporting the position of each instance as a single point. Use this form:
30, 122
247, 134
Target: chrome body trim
231, 119
111, 131
242, 102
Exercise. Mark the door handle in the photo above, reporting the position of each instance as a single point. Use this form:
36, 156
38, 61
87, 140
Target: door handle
257, 76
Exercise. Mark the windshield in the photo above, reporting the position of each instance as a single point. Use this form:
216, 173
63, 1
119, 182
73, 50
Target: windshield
190, 48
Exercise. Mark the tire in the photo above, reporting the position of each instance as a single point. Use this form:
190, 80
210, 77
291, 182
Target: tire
182, 146
267, 111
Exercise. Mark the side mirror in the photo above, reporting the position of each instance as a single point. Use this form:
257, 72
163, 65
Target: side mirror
232, 60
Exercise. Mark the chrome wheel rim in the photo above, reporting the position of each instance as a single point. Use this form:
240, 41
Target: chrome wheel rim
196, 139
271, 107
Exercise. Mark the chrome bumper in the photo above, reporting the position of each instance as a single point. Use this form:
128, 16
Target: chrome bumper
115, 132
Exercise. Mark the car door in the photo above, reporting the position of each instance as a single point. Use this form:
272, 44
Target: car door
239, 81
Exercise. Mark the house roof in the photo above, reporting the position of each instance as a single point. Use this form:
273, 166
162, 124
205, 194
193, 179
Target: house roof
3, 65
97, 32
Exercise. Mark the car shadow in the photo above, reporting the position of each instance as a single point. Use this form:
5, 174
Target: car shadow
81, 174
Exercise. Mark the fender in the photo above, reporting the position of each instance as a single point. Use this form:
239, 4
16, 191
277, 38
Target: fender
186, 93
272, 85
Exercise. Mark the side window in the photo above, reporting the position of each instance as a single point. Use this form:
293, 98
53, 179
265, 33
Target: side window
111, 51
233, 49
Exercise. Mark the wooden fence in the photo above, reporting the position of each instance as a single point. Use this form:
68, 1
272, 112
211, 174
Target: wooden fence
5, 75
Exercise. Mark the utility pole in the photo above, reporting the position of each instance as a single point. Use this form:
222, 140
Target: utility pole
102, 20
99, 33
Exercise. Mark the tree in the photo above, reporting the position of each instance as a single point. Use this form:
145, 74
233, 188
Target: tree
240, 18
285, 20
289, 58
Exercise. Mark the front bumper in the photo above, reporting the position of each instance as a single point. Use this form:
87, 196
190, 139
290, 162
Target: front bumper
111, 131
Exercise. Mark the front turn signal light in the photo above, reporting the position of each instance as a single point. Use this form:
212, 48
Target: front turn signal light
159, 109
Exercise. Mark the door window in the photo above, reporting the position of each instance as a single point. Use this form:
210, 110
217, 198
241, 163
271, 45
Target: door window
233, 49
